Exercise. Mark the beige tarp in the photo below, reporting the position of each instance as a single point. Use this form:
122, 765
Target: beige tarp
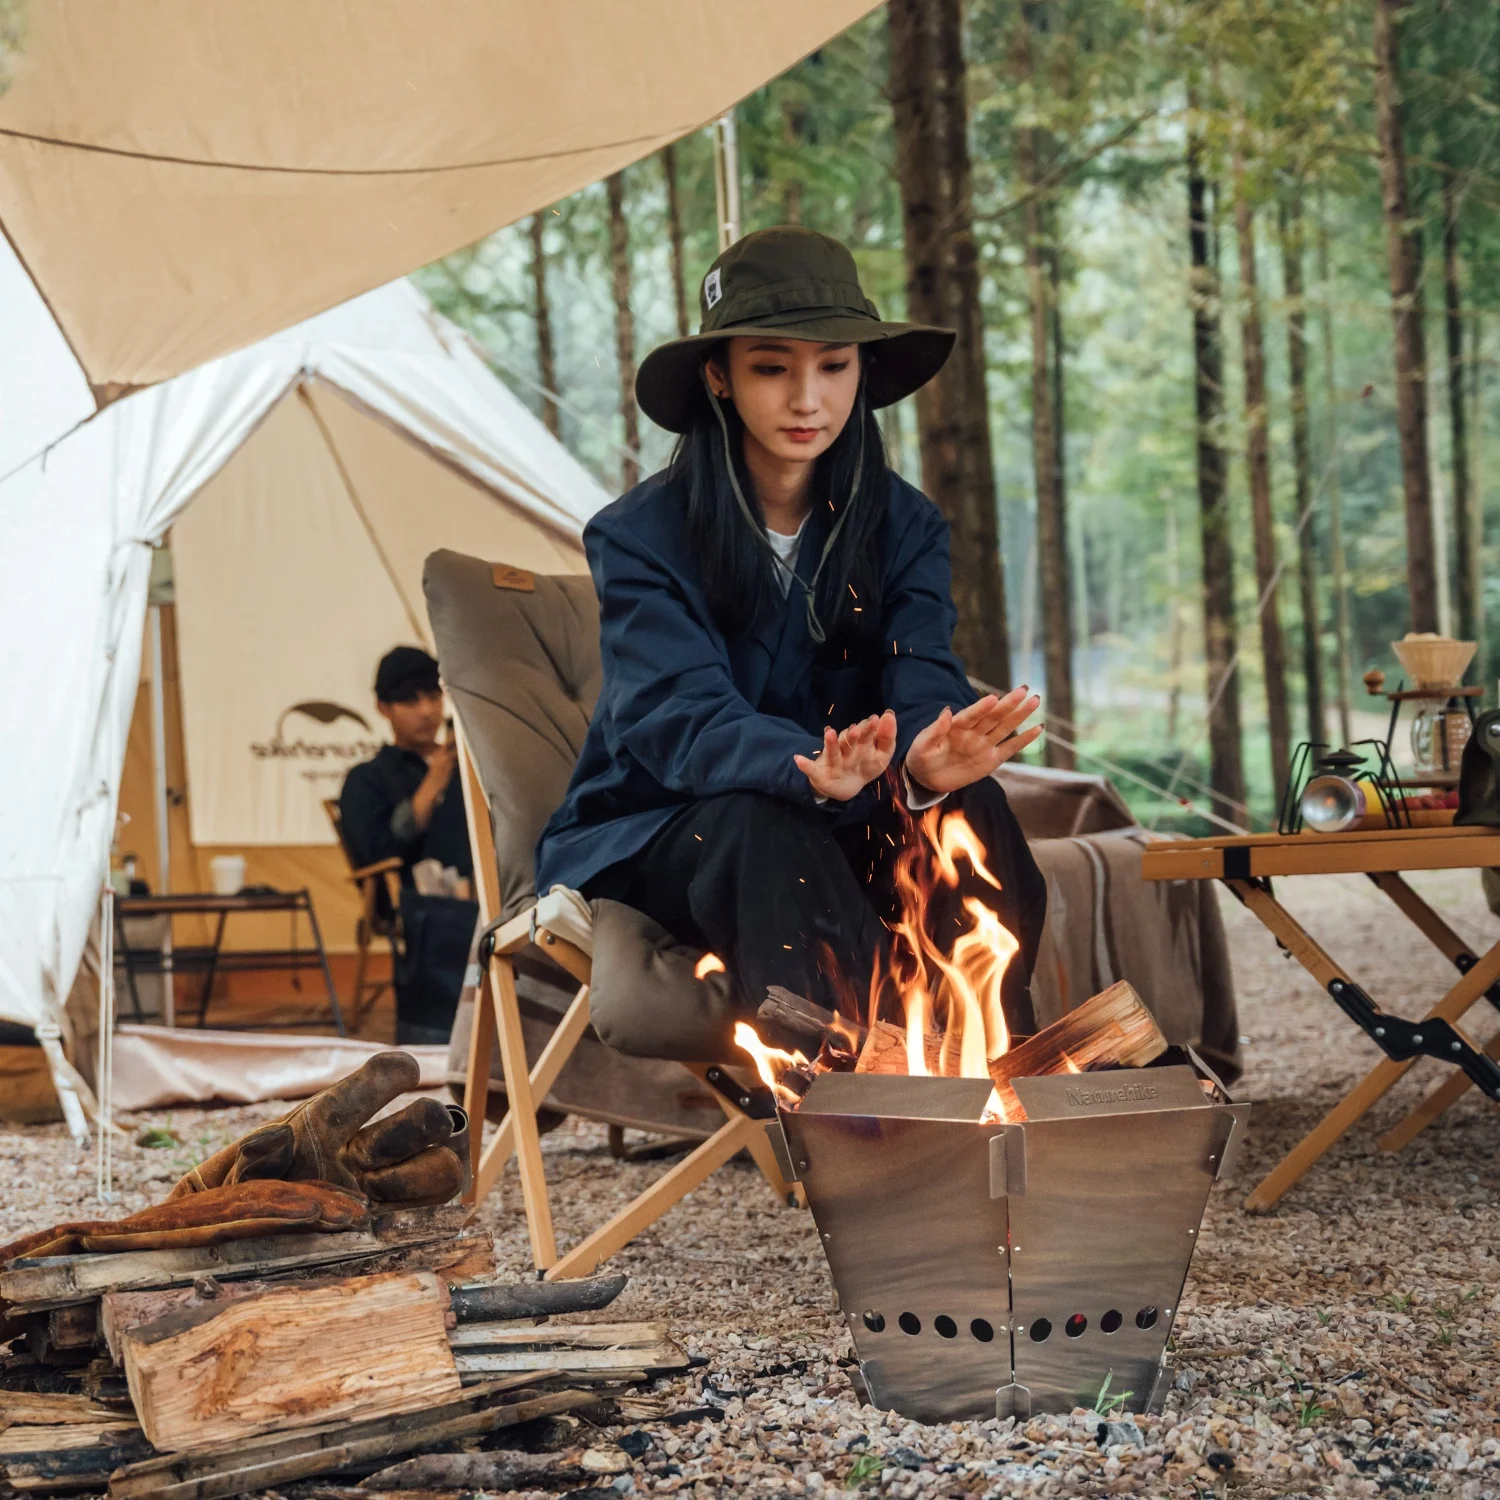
181, 178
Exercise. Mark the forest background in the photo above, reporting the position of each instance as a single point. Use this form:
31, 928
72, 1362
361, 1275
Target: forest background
1218, 429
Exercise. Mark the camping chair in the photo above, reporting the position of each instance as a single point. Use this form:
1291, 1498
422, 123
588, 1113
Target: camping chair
520, 661
379, 887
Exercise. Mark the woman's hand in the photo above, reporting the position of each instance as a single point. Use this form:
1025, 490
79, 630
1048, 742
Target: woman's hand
851, 760
957, 749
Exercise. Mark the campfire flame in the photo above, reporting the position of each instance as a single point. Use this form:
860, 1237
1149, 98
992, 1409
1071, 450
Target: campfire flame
948, 985
960, 988
710, 963
770, 1062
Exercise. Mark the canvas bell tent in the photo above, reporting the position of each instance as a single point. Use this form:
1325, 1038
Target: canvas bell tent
300, 483
178, 180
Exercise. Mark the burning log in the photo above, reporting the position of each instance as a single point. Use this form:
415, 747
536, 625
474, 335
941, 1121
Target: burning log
789, 1021
885, 1050
1112, 1030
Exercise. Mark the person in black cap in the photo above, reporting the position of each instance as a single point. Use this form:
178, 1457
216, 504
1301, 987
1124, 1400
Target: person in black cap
406, 803
780, 696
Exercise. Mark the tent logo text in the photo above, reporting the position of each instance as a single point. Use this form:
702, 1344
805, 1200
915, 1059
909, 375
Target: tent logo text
325, 738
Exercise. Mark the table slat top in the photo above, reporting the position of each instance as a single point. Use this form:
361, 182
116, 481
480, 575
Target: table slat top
1370, 851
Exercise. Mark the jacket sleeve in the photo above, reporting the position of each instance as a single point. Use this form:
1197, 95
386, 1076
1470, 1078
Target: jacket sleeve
673, 704
921, 676
369, 818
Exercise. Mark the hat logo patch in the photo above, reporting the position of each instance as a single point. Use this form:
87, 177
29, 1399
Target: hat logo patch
711, 290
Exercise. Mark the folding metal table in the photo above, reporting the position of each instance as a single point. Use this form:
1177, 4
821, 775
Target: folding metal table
213, 959
1247, 864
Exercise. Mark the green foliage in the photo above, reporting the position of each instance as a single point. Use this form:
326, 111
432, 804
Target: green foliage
1113, 88
1105, 1404
866, 1466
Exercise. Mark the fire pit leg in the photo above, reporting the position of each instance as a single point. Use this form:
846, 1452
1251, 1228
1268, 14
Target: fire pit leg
1013, 1401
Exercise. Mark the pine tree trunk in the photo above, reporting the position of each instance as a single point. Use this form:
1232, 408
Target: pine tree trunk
1343, 668
1051, 515
793, 122
674, 239
1476, 494
1227, 769
1463, 509
1404, 264
546, 353
1258, 473
1307, 534
929, 110
619, 260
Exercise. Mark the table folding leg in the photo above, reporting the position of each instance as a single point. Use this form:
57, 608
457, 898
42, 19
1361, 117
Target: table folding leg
1472, 986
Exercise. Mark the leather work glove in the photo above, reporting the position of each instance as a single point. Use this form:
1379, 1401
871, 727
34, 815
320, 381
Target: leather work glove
416, 1157
236, 1211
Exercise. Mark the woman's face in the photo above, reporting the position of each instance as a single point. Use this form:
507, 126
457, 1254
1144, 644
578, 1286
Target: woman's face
793, 396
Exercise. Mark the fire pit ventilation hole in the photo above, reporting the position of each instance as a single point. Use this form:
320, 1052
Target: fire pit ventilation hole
910, 1323
1146, 1318
1041, 1331
982, 1330
945, 1326
1075, 1326
1111, 1321
874, 1321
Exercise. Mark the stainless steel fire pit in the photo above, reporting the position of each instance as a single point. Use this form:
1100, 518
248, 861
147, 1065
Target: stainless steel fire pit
991, 1269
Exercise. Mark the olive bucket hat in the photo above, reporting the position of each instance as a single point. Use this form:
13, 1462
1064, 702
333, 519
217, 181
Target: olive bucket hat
788, 283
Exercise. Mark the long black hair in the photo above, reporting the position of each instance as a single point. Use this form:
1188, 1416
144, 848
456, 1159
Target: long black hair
739, 574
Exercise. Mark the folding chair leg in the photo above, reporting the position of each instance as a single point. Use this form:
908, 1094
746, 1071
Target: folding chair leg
559, 1048
477, 1090
523, 1113
671, 1187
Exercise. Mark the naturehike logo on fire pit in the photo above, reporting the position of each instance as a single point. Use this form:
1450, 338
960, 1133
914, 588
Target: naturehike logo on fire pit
1125, 1094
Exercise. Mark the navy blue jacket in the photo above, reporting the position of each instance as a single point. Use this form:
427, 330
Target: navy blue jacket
684, 713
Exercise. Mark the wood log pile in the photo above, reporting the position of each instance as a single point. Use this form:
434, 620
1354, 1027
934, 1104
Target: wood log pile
193, 1374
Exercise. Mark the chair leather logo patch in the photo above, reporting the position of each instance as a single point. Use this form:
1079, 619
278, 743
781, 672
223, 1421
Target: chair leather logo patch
520, 579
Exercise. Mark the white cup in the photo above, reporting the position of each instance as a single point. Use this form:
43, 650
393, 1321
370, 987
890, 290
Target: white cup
227, 871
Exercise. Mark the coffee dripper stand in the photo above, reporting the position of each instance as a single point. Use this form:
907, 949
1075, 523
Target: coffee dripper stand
1441, 727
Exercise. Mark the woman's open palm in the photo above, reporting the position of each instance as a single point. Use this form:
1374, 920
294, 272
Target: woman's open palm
958, 749
850, 761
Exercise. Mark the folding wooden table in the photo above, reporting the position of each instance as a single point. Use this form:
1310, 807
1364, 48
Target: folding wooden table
1247, 864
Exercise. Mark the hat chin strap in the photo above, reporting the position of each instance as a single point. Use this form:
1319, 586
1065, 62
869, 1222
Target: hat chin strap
809, 588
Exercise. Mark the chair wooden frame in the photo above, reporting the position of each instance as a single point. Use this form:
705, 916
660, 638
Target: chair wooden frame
368, 880
497, 1013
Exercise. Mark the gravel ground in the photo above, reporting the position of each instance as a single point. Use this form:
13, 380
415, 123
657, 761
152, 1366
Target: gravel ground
1342, 1345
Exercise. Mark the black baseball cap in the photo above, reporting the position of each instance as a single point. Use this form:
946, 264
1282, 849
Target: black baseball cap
405, 673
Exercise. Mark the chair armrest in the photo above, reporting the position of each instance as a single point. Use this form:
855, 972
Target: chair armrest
382, 867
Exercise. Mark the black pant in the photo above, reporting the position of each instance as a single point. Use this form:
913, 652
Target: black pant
436, 933
786, 896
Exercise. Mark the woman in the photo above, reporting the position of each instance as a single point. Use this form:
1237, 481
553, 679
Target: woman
780, 690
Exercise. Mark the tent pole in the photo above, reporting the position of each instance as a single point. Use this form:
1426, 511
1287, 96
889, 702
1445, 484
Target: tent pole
163, 835
727, 178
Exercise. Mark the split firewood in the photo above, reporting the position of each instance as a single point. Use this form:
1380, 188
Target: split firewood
884, 1050
470, 1472
292, 1357
485, 1348
788, 1021
1112, 1030
67, 1457
469, 1258
39, 1409
84, 1278
281, 1458
528, 1299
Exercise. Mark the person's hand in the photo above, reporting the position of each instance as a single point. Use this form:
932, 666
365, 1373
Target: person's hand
851, 760
441, 760
957, 749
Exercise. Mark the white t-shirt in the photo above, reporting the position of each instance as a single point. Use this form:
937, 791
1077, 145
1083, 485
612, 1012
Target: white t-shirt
786, 548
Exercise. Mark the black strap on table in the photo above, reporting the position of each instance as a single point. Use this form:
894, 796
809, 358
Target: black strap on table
1401, 1040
